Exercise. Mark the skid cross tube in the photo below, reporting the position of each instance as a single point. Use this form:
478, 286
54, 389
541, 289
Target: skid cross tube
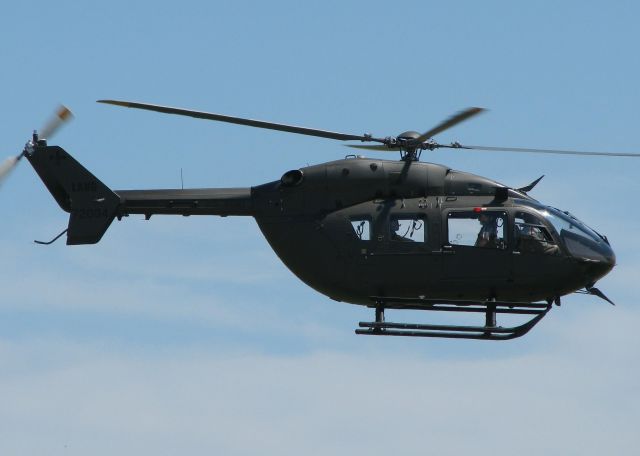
490, 330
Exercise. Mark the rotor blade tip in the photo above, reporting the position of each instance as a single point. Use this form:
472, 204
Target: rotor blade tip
64, 113
114, 102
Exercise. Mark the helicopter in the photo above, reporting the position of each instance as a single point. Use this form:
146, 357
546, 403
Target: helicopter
385, 234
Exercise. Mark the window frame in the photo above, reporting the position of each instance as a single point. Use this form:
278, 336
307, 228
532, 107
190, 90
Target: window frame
501, 212
548, 231
361, 218
408, 216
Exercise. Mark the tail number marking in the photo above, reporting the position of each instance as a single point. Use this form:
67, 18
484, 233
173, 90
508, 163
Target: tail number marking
90, 213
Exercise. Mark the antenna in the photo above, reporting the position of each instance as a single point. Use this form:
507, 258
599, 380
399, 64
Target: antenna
181, 179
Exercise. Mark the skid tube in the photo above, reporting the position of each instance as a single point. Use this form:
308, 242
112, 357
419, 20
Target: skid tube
490, 330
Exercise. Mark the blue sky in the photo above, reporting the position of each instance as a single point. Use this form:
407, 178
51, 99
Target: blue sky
187, 335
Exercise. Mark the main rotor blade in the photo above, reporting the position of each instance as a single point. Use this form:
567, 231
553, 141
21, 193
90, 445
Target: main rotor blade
548, 151
243, 121
454, 120
376, 147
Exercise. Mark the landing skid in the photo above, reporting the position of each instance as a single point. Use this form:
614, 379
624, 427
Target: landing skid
490, 331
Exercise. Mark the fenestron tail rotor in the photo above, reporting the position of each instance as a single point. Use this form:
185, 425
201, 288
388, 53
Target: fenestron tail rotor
60, 117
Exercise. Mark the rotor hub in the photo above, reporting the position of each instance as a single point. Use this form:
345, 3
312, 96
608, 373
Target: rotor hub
408, 143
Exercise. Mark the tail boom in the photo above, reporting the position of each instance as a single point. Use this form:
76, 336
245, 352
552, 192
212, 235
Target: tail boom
93, 206
205, 201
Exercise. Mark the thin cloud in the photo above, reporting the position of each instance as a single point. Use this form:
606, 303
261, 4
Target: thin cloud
104, 402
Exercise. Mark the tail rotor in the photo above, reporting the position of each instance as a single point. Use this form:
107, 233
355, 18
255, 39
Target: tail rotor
7, 166
61, 116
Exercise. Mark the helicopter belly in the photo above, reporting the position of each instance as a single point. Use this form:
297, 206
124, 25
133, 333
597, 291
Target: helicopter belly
309, 254
328, 259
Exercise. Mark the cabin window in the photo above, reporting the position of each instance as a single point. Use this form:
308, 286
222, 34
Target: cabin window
407, 228
485, 229
532, 236
362, 229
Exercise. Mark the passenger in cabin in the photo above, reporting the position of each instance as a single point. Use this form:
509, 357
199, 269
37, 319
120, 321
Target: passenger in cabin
395, 232
488, 235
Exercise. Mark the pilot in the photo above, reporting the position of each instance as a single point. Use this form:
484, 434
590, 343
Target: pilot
488, 235
531, 238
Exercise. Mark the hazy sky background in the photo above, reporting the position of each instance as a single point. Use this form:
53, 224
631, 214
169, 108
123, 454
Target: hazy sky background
188, 336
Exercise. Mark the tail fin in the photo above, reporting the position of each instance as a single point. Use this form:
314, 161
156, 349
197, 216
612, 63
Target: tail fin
92, 204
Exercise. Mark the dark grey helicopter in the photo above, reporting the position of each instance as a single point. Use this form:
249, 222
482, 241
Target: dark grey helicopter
379, 233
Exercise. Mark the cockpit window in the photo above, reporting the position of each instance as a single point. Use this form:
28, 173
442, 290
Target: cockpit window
565, 222
407, 228
478, 229
532, 236
362, 229
579, 238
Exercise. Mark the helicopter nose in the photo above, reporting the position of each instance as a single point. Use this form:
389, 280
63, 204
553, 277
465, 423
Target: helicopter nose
597, 269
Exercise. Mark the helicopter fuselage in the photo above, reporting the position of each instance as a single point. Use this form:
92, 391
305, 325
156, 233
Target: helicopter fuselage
385, 234
333, 226
381, 233
359, 229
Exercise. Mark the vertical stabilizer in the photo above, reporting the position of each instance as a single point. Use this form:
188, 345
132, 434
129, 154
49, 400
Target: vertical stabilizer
91, 204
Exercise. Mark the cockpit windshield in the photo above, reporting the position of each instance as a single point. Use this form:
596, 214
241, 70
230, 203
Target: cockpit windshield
564, 221
580, 240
